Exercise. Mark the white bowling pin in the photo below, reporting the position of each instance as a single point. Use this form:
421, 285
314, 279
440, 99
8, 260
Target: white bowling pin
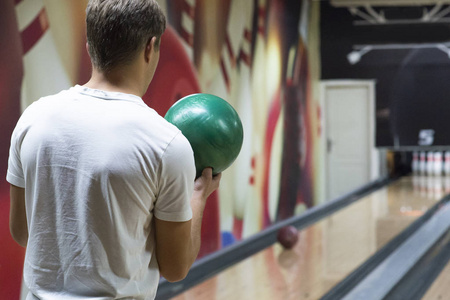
423, 163
430, 163
437, 163
447, 163
415, 163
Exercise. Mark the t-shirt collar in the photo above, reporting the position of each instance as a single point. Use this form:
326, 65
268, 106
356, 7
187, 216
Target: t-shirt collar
106, 95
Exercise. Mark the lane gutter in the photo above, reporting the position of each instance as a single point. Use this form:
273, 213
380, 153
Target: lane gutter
382, 272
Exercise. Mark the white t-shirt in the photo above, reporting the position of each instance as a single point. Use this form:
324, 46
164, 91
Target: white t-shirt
96, 166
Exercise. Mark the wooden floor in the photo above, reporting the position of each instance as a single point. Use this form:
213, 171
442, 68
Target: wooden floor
328, 250
440, 289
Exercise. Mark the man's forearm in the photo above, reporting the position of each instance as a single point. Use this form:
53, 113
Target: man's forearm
204, 187
17, 216
198, 206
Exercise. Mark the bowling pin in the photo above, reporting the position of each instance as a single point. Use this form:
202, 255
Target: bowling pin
423, 163
438, 163
241, 96
430, 163
211, 78
275, 166
253, 216
415, 163
229, 82
447, 163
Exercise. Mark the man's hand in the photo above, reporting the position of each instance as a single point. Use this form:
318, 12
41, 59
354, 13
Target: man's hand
206, 184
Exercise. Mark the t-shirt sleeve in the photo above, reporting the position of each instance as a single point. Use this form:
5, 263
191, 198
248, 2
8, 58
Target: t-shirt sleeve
176, 182
15, 175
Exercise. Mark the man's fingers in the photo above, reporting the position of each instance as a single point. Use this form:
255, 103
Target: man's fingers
207, 172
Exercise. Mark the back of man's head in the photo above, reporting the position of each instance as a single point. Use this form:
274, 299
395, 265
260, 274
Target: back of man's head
118, 29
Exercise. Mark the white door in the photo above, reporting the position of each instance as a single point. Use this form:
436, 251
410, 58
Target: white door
349, 135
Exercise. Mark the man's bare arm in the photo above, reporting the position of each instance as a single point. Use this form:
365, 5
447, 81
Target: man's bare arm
17, 216
178, 243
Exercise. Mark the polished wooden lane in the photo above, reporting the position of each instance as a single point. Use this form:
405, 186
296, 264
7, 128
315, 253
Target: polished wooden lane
440, 289
328, 250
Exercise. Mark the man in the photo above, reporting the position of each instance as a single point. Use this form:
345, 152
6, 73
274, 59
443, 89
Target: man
102, 187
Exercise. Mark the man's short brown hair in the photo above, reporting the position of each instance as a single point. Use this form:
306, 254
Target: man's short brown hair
118, 29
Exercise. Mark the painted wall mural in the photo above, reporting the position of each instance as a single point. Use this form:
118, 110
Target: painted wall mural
260, 55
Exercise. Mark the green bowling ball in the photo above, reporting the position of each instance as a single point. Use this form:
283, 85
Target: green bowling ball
212, 127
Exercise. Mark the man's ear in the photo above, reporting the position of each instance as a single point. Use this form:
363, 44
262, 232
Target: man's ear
149, 48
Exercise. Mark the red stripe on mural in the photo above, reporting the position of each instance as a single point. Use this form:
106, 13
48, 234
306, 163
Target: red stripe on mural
243, 55
248, 35
188, 9
238, 227
33, 33
230, 50
261, 20
261, 13
187, 37
261, 31
245, 58
225, 74
274, 114
252, 165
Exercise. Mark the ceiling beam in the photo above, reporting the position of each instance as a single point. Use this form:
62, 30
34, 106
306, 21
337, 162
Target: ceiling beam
353, 3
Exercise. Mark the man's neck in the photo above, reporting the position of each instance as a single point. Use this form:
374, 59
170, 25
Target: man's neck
115, 81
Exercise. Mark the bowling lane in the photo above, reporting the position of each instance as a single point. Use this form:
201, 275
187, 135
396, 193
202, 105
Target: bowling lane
440, 288
328, 250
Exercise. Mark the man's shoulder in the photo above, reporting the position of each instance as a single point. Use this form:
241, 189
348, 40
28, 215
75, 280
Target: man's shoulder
47, 100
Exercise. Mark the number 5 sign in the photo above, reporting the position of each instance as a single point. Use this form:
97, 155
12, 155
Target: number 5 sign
426, 137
